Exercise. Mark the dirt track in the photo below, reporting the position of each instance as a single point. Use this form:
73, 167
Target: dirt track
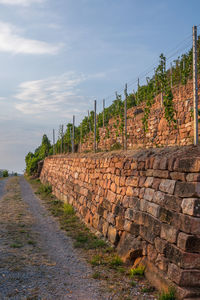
37, 260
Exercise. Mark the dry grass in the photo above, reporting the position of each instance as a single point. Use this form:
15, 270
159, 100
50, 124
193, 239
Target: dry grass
18, 242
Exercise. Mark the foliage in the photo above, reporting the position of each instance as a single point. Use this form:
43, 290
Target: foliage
45, 189
137, 271
40, 153
170, 295
116, 146
5, 173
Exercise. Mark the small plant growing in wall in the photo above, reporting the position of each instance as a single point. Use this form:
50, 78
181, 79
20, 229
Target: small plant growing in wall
170, 295
138, 271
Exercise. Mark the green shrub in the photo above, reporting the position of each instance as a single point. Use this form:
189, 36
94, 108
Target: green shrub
116, 261
45, 189
68, 209
5, 173
170, 295
116, 146
137, 271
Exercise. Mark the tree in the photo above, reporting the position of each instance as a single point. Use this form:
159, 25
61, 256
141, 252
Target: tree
5, 173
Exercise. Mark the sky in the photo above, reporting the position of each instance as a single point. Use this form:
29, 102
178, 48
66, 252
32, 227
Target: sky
57, 56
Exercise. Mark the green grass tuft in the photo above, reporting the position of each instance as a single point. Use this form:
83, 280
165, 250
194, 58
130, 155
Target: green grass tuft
45, 189
139, 271
16, 245
133, 283
170, 295
116, 261
96, 275
68, 209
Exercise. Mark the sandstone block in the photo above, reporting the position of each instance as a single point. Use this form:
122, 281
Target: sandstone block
119, 223
168, 233
193, 177
156, 163
149, 173
159, 197
129, 246
148, 182
162, 263
131, 227
129, 191
167, 186
161, 173
129, 214
134, 203
191, 206
143, 205
163, 163
134, 165
156, 183
187, 189
151, 253
113, 187
95, 221
189, 243
111, 218
147, 235
181, 258
132, 181
188, 224
187, 165
111, 196
153, 209
118, 210
112, 235
185, 278
149, 193
142, 181
160, 245
100, 210
178, 176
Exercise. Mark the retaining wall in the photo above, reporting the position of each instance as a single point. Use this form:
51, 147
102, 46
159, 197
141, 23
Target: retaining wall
159, 133
146, 203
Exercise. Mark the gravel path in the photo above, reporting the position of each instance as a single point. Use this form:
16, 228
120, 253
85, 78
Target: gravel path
2, 186
58, 273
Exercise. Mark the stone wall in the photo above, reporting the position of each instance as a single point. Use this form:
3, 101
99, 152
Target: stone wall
159, 132
146, 203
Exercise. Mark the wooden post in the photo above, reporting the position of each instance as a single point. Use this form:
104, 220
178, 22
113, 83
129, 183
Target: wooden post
195, 86
95, 124
125, 117
73, 135
103, 112
53, 142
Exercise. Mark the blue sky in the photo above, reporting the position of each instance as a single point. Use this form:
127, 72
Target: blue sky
57, 56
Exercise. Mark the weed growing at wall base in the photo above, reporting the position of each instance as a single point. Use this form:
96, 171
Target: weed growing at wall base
139, 271
170, 295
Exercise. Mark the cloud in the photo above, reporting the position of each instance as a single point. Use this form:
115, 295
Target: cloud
11, 41
57, 95
20, 2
